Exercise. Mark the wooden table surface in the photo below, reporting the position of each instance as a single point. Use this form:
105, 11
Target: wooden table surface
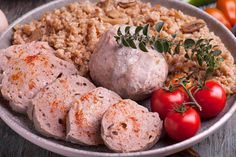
220, 144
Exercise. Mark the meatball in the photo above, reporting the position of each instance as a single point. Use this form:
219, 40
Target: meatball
131, 73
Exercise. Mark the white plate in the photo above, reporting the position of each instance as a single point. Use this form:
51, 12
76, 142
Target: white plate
165, 146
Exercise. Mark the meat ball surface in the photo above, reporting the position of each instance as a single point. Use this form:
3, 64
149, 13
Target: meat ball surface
131, 73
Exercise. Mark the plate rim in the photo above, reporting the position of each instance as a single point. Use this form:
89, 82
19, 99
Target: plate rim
65, 150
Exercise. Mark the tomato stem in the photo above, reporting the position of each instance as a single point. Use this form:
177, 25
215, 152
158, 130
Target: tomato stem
189, 103
168, 87
190, 94
180, 108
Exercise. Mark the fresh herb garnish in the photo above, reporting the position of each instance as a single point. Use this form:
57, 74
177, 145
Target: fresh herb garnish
159, 26
202, 51
188, 43
141, 39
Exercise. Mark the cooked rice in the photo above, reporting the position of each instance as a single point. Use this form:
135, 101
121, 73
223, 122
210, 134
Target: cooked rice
74, 30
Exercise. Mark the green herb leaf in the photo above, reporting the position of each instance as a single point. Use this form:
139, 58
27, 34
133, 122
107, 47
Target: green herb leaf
199, 42
220, 59
131, 43
174, 36
210, 40
216, 52
138, 29
209, 72
124, 42
188, 43
209, 47
146, 29
177, 49
127, 28
142, 47
158, 46
119, 32
166, 46
200, 59
159, 26
117, 38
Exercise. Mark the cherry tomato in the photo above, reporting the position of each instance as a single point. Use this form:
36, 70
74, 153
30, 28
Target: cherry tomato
229, 9
181, 126
219, 15
163, 101
212, 99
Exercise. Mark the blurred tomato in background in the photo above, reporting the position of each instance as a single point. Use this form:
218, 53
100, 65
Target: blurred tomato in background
199, 2
222, 10
219, 15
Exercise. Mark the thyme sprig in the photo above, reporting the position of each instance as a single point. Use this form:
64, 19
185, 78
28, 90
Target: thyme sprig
141, 38
202, 50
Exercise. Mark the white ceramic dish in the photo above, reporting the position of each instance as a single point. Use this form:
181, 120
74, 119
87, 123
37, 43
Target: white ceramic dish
165, 146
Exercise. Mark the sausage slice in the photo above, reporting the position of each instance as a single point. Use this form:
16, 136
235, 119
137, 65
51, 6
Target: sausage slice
23, 77
11, 53
84, 119
129, 127
51, 105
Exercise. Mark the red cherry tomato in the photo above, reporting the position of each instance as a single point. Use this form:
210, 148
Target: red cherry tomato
181, 126
229, 9
219, 15
163, 101
212, 99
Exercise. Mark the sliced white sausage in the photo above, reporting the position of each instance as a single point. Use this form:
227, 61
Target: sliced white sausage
84, 119
29, 68
51, 105
15, 52
129, 127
